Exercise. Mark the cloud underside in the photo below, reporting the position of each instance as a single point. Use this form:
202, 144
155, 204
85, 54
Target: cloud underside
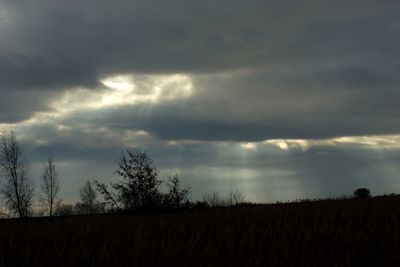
219, 107
272, 69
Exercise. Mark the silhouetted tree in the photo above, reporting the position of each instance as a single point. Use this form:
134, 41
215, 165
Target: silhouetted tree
139, 186
50, 185
362, 193
88, 197
16, 188
176, 195
111, 199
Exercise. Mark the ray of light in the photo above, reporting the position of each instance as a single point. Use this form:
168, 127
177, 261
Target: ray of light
118, 90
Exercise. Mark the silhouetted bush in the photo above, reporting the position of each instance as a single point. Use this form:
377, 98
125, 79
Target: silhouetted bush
231, 199
362, 193
138, 189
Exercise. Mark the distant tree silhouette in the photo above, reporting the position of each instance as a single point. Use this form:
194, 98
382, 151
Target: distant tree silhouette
17, 188
88, 203
111, 199
235, 198
176, 195
50, 185
138, 188
362, 193
231, 199
214, 199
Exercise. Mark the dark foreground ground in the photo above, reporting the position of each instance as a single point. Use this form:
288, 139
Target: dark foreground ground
321, 233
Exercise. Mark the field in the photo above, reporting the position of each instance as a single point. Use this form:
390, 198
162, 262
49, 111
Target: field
352, 232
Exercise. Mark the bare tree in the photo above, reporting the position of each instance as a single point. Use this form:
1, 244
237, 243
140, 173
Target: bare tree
50, 185
176, 195
16, 186
111, 199
235, 198
214, 200
88, 196
232, 199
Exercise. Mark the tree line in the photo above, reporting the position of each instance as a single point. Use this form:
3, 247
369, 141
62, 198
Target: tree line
137, 190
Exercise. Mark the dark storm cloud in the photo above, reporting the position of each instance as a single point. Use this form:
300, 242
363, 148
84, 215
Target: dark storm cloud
17, 105
314, 69
262, 104
26, 73
83, 39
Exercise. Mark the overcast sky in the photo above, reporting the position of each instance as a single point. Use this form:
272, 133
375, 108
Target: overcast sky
278, 99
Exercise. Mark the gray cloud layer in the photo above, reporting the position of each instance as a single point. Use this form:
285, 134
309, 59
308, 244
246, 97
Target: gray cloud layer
320, 47
260, 70
310, 69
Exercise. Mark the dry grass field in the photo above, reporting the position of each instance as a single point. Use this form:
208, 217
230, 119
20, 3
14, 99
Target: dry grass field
352, 232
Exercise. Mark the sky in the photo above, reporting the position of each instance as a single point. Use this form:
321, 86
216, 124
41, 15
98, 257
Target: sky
277, 99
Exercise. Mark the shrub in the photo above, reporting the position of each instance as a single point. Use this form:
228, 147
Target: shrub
362, 193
